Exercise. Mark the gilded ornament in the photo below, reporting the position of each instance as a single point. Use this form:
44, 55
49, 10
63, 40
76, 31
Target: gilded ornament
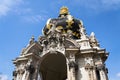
49, 26
69, 22
64, 10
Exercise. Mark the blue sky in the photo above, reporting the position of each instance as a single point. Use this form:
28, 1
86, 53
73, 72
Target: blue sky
20, 19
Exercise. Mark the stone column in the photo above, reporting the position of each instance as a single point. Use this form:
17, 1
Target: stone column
68, 73
24, 75
91, 72
102, 75
71, 72
71, 67
94, 74
18, 75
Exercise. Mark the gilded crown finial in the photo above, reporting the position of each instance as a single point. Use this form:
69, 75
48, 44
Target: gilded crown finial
64, 10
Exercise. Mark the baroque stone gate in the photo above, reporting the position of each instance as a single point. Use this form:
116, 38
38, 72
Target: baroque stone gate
64, 52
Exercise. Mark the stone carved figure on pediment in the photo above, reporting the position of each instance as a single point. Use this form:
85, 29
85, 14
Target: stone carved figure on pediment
31, 40
93, 40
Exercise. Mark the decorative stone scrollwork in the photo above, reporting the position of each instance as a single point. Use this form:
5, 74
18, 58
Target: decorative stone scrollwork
45, 42
88, 66
100, 67
41, 39
73, 64
64, 52
21, 71
30, 68
53, 42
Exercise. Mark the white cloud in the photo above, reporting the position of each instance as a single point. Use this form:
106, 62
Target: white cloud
3, 77
22, 11
90, 5
15, 7
111, 4
100, 5
118, 74
34, 18
8, 5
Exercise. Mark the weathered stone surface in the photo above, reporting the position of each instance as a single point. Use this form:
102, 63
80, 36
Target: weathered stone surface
65, 52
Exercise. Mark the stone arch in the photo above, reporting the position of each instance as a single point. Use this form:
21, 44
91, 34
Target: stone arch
53, 66
33, 48
71, 43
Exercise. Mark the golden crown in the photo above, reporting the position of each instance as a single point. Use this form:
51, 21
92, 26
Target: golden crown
64, 10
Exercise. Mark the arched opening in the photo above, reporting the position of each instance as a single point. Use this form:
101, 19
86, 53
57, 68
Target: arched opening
53, 67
